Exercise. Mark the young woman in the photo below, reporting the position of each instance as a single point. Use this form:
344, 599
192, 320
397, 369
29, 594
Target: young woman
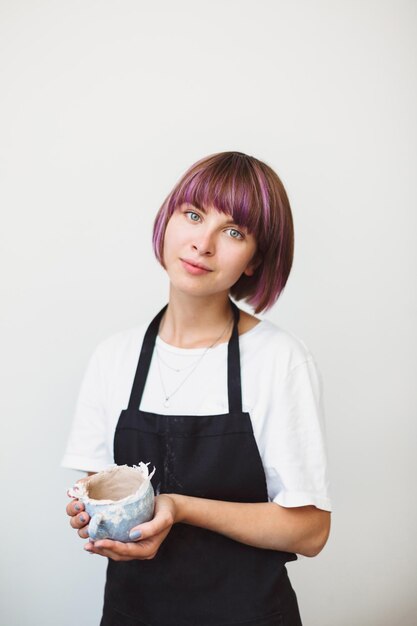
226, 406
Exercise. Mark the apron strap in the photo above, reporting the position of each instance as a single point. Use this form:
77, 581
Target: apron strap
145, 361
233, 364
234, 385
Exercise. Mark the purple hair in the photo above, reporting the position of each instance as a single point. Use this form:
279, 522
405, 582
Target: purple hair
246, 188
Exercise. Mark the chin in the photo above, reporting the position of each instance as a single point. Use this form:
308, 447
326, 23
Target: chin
192, 288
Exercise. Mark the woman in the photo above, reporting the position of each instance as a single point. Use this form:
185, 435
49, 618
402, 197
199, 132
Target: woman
227, 407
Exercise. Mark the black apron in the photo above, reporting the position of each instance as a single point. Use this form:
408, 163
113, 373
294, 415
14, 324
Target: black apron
198, 577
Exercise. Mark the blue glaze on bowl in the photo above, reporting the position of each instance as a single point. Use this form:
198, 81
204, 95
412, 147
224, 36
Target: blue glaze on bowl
115, 520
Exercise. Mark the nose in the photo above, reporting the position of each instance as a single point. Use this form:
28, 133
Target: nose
204, 243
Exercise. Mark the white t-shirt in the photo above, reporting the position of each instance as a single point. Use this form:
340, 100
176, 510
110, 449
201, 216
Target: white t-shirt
281, 391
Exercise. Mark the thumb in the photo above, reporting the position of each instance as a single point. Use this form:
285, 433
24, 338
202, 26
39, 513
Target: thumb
163, 519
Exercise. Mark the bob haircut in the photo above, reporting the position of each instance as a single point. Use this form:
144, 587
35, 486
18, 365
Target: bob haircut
251, 192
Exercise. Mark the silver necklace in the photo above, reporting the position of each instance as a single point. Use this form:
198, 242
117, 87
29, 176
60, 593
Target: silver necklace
174, 369
168, 396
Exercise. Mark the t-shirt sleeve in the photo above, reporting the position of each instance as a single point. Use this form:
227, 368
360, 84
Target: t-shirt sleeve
87, 447
296, 458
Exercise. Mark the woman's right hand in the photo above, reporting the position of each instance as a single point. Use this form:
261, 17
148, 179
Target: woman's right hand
79, 518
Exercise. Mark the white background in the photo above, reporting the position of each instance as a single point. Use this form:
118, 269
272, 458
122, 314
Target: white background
103, 106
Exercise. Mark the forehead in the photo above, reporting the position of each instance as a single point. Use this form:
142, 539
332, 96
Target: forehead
231, 184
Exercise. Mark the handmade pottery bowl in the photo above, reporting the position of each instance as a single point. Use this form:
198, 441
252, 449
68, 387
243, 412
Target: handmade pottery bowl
116, 499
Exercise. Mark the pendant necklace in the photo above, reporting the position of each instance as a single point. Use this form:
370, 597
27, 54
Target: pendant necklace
169, 396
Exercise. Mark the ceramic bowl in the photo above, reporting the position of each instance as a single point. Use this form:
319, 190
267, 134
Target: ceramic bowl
116, 499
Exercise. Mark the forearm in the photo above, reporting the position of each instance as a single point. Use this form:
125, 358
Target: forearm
303, 530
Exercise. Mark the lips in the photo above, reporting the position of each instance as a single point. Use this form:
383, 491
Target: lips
195, 264
193, 268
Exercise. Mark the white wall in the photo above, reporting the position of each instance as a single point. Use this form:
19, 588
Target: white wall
103, 106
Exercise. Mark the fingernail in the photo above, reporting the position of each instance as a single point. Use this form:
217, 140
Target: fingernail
135, 534
77, 507
82, 518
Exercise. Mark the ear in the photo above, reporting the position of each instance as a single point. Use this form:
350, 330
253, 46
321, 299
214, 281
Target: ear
253, 265
249, 271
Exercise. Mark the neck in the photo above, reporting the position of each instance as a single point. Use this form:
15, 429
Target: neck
195, 322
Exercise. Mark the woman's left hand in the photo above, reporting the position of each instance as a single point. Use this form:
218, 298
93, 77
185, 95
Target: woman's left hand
145, 546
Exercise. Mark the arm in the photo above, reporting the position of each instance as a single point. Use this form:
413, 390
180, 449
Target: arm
264, 525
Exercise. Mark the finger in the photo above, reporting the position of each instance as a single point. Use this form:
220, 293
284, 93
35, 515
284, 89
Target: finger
161, 521
74, 507
83, 532
119, 551
80, 520
115, 550
89, 546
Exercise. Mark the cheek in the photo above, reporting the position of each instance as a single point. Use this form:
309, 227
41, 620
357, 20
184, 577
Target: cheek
169, 238
246, 256
235, 267
173, 242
